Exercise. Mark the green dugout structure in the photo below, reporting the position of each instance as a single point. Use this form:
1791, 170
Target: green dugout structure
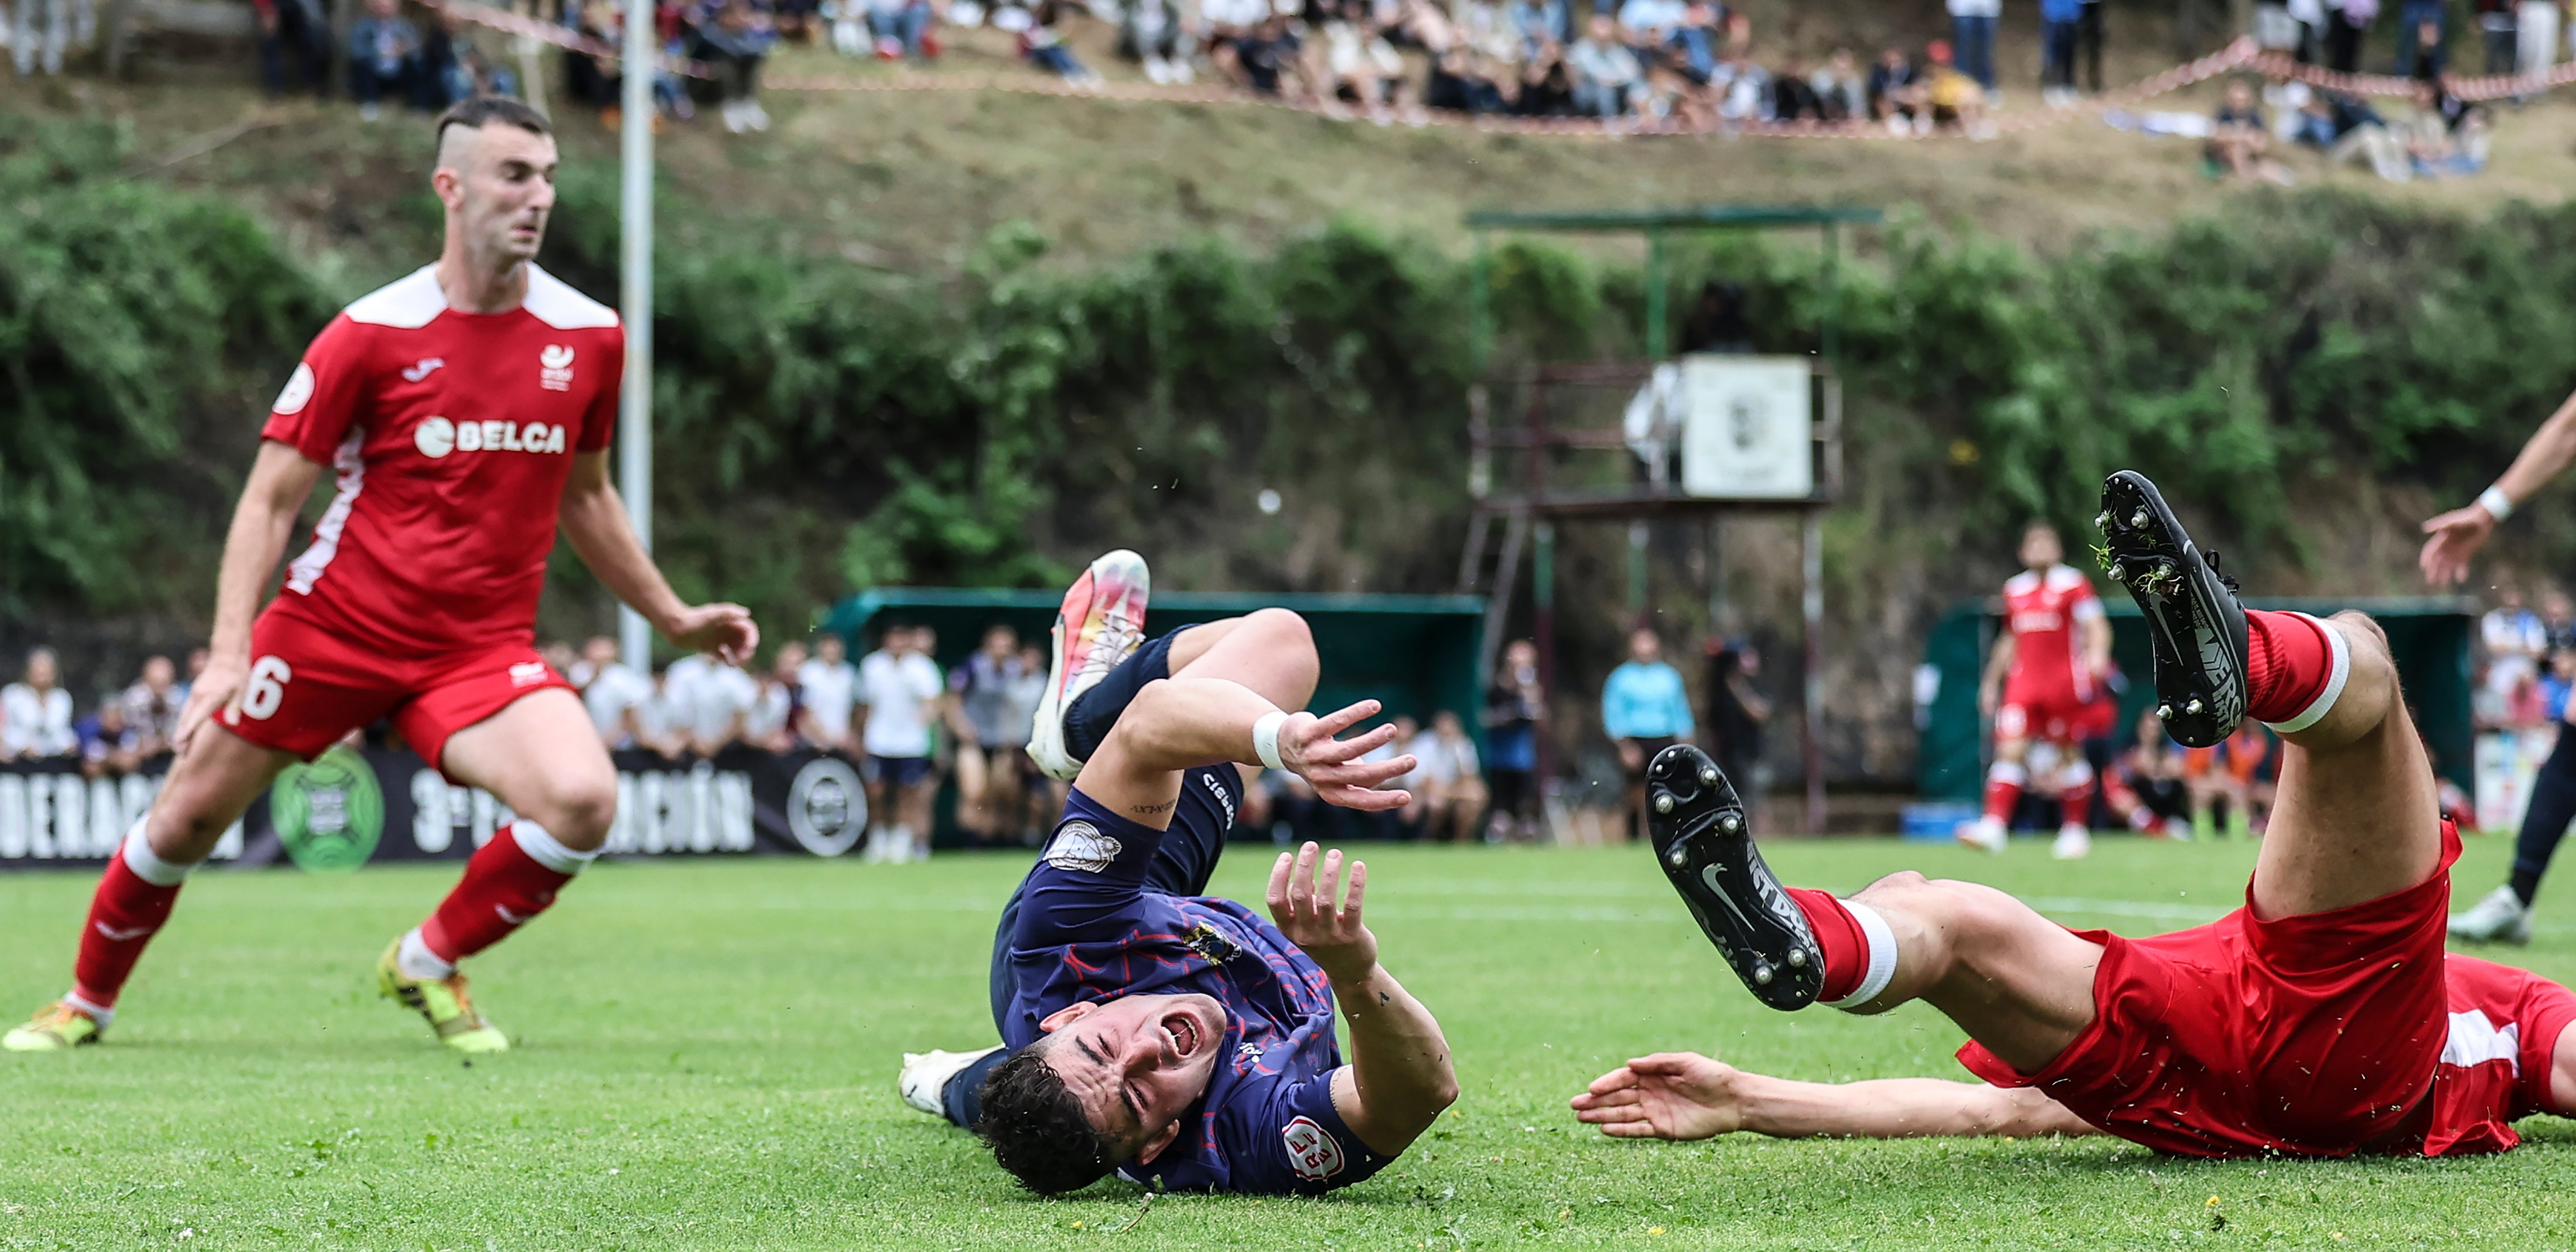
1415, 653
2428, 636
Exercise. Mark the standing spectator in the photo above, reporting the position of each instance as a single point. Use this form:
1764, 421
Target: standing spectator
659, 724
2556, 685
1737, 710
713, 698
1042, 798
2515, 640
1972, 30
1452, 796
613, 692
2558, 619
2088, 43
770, 723
293, 36
1644, 711
559, 657
36, 713
597, 80
197, 659
48, 28
2346, 22
2058, 20
597, 653
733, 47
108, 745
898, 692
1604, 70
386, 58
827, 686
2535, 33
456, 68
1514, 707
2495, 20
1838, 83
152, 704
1150, 32
1894, 96
991, 732
2421, 43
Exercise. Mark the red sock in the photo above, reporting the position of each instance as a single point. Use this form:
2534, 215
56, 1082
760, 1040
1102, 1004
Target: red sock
1846, 948
2075, 801
2289, 666
504, 888
2003, 790
123, 916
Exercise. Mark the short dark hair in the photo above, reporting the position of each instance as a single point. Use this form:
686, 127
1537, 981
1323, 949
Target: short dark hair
477, 112
1036, 1129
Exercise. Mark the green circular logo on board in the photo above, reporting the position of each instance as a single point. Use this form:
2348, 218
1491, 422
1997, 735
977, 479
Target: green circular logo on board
328, 813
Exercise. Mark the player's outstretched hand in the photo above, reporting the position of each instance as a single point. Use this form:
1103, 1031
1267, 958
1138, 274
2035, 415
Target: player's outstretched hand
1670, 1095
216, 687
1333, 766
2456, 536
1316, 918
724, 629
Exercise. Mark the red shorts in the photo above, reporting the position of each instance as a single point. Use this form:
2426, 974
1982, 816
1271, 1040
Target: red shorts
2057, 716
2312, 1036
307, 689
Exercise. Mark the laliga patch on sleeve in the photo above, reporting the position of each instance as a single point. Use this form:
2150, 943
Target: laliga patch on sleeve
299, 391
1081, 846
1314, 1154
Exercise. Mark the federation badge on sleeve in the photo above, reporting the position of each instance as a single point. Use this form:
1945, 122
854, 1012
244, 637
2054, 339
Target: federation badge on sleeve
1314, 1154
1081, 846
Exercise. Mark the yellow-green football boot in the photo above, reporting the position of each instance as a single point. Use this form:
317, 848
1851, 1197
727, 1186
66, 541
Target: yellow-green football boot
443, 1002
57, 1027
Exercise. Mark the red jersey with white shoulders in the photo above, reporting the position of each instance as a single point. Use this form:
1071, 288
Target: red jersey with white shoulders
450, 435
2042, 610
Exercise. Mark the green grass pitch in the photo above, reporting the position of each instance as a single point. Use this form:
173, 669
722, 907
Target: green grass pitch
708, 1050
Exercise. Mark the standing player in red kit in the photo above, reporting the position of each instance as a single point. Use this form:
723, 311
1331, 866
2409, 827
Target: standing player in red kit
2322, 1019
2040, 686
465, 412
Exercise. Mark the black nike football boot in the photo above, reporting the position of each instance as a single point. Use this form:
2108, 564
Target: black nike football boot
2194, 621
1700, 839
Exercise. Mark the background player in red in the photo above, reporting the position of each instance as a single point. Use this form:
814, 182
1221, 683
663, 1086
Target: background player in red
465, 412
2038, 687
2321, 1019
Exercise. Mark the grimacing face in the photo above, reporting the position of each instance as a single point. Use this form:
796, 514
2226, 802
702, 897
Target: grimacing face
498, 185
1136, 1064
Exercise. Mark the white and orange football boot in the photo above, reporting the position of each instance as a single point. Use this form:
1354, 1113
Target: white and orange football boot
1101, 624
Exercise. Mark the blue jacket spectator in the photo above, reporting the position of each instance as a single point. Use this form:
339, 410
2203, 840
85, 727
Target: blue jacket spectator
386, 57
1644, 698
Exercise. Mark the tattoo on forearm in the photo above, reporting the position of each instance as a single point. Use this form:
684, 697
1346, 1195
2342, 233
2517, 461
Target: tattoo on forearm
1151, 809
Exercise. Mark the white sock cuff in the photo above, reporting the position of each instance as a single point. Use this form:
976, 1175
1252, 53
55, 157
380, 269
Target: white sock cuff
98, 1013
147, 865
2339, 672
1882, 956
544, 849
2008, 772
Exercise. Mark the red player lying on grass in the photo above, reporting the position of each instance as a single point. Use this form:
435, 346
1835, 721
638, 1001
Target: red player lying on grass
2323, 1019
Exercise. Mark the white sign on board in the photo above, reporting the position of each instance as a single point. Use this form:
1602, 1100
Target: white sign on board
1749, 433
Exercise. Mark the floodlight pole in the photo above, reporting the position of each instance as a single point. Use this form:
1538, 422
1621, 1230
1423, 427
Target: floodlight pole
635, 237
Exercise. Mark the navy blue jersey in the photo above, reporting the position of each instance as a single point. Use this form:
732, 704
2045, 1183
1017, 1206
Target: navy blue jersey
1089, 928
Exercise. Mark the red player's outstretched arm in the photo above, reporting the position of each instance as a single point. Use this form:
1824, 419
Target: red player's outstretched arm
280, 480
1683, 1095
594, 520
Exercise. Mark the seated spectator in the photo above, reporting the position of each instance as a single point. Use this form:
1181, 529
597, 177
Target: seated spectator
1695, 45
1955, 99
1603, 69
1221, 22
2239, 137
153, 703
1360, 64
108, 745
1540, 24
294, 43
1455, 85
386, 57
1486, 30
1453, 790
1546, 84
2145, 787
1839, 89
1794, 97
1264, 61
2449, 137
36, 713
796, 20
733, 46
900, 26
1894, 95
1646, 24
1149, 31
597, 80
457, 68
1043, 44
1744, 87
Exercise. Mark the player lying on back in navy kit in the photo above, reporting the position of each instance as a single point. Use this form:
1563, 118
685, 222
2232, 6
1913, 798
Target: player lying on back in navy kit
1148, 1028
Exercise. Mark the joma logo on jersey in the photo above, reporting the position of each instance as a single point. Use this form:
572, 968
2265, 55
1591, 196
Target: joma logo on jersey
554, 367
437, 436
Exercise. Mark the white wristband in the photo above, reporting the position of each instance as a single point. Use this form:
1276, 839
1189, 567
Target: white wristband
2497, 504
1265, 737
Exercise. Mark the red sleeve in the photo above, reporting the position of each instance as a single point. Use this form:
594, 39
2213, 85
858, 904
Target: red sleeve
2547, 1008
600, 424
321, 399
